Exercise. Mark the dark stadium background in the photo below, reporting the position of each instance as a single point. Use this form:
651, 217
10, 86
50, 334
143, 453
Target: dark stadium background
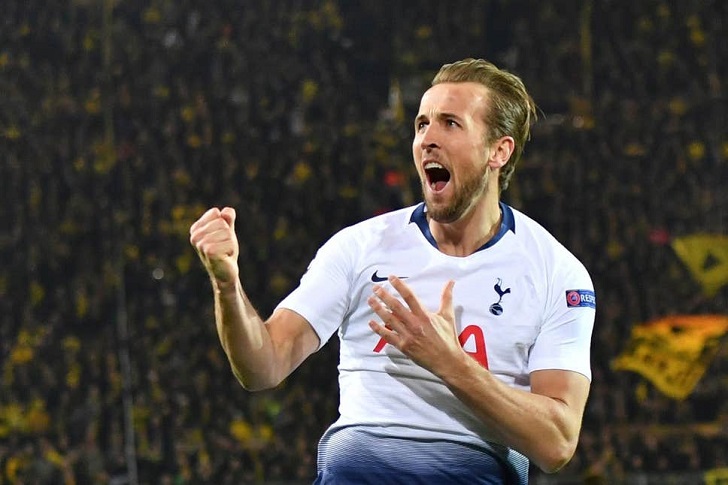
121, 122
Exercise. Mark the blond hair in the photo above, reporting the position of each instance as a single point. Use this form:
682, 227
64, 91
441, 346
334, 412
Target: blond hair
512, 111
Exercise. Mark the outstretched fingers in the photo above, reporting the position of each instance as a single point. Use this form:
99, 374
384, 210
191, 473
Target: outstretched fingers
446, 307
413, 303
385, 305
389, 325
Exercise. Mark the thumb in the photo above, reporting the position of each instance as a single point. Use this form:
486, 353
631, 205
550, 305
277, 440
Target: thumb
446, 308
228, 213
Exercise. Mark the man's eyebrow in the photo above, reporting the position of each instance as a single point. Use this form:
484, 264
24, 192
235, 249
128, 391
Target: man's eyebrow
441, 115
420, 117
446, 115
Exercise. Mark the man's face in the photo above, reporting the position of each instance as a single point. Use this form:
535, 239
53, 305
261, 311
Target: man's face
449, 148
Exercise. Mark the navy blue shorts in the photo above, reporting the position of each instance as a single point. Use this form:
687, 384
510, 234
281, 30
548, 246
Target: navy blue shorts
356, 456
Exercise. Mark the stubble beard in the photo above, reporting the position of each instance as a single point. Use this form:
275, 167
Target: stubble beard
464, 198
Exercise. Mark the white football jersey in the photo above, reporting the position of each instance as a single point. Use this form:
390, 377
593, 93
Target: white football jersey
522, 303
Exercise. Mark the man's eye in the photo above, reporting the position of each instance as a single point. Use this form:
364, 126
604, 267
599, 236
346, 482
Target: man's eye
452, 123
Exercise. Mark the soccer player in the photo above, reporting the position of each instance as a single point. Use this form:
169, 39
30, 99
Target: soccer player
464, 326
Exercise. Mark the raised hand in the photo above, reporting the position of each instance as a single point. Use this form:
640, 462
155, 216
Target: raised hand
213, 237
429, 339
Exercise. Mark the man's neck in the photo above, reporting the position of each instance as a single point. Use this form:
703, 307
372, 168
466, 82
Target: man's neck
469, 233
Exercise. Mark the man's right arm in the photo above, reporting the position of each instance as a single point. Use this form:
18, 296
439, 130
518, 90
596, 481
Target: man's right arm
261, 353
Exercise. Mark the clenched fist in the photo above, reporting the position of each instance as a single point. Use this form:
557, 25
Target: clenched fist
213, 236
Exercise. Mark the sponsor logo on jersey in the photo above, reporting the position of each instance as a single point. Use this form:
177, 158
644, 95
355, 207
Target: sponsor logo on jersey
581, 298
496, 308
378, 279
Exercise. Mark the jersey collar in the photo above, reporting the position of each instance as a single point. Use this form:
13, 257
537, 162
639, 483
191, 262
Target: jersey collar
419, 217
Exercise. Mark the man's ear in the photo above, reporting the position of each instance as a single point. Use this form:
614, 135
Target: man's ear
501, 151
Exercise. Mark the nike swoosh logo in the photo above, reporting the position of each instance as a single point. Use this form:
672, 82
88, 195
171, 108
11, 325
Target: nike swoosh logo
378, 279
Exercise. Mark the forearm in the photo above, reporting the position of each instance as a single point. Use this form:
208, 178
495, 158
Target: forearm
543, 428
244, 338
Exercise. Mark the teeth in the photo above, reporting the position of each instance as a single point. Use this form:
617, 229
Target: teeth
429, 165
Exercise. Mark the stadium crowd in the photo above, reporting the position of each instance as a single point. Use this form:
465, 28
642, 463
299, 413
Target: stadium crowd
120, 125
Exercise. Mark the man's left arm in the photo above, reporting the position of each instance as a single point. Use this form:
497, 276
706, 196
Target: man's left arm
543, 424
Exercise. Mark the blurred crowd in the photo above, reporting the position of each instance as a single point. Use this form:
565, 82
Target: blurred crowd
122, 122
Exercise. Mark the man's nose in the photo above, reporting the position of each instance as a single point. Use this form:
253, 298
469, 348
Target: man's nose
429, 138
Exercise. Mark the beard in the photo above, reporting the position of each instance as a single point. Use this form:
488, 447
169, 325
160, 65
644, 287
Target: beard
464, 198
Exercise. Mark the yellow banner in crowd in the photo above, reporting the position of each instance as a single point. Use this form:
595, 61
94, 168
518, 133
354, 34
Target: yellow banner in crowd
673, 352
706, 256
716, 476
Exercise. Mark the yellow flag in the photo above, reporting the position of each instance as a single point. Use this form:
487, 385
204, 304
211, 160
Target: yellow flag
706, 256
673, 352
716, 476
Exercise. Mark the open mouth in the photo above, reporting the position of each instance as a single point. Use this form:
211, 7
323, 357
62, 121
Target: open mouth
437, 176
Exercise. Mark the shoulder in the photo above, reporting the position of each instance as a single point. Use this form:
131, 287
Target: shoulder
371, 236
534, 236
542, 246
389, 224
398, 217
